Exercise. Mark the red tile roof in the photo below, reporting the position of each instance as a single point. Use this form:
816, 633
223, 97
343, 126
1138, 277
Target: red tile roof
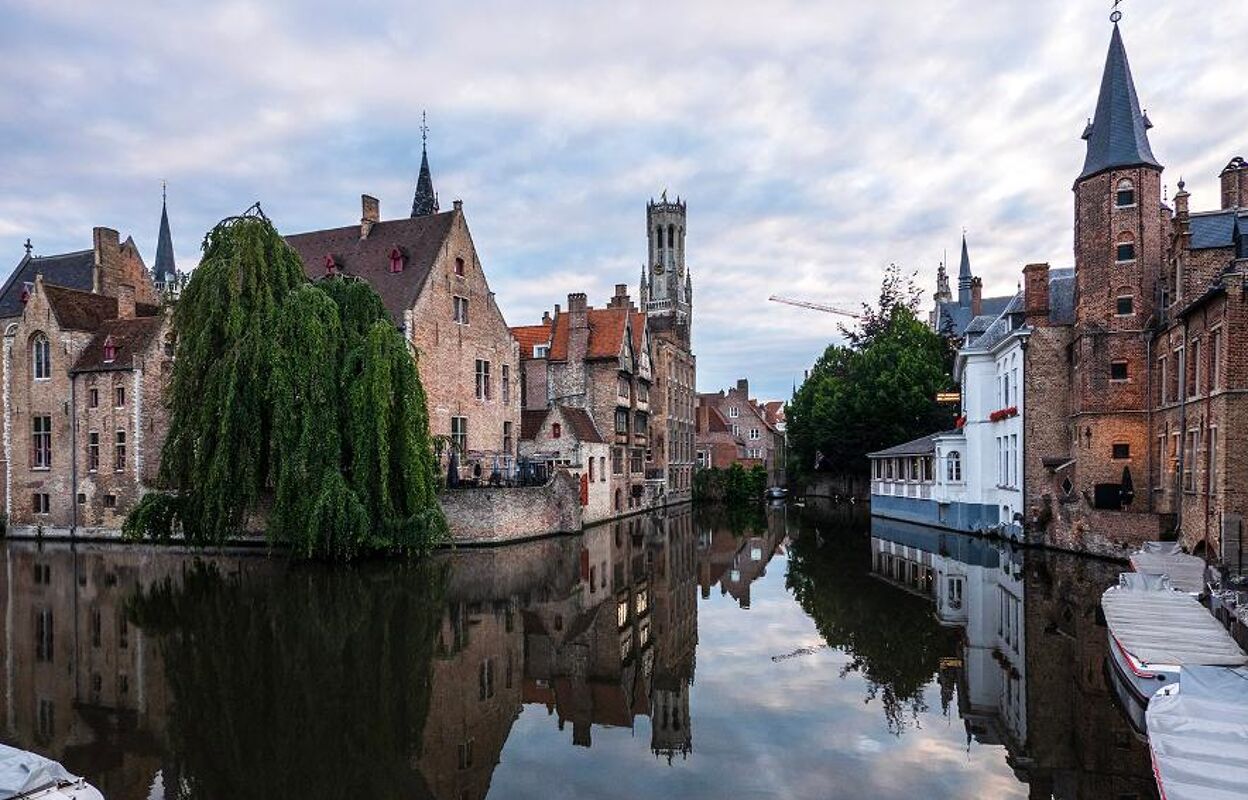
418, 239
582, 425
130, 337
529, 336
531, 423
606, 333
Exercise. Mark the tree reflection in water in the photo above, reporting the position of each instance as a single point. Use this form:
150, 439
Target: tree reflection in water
314, 683
892, 637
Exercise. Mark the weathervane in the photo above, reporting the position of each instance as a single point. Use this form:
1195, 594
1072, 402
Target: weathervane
424, 129
1115, 15
164, 185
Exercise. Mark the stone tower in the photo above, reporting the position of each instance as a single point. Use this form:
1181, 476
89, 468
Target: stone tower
667, 299
1118, 244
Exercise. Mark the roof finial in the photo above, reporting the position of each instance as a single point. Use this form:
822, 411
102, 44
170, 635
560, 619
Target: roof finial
164, 186
28, 246
1115, 15
424, 130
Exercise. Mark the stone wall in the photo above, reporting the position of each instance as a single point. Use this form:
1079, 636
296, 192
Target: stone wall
489, 515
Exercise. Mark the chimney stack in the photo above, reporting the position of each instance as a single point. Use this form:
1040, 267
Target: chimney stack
977, 296
370, 214
620, 299
743, 387
1036, 294
459, 205
1234, 178
546, 317
578, 327
125, 301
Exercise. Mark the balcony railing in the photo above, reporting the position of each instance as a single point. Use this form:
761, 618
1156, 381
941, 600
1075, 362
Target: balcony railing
887, 488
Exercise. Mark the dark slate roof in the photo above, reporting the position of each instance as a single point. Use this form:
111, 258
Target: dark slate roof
130, 337
964, 268
923, 446
164, 269
978, 325
1062, 296
1000, 327
419, 239
425, 201
960, 316
531, 422
72, 270
1216, 229
1118, 134
79, 311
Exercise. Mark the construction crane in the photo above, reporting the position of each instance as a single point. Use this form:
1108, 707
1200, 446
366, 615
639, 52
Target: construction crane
824, 307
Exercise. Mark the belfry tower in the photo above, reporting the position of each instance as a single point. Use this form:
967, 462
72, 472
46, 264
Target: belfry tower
666, 287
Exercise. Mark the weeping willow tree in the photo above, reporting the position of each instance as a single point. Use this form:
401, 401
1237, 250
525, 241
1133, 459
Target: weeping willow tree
294, 404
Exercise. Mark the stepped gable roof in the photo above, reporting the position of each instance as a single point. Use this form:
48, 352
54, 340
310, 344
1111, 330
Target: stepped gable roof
418, 239
606, 333
1118, 134
922, 446
130, 337
79, 311
72, 270
1217, 228
531, 422
529, 336
582, 425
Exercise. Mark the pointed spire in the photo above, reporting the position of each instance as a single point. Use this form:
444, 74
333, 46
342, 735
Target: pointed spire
164, 270
425, 201
1118, 135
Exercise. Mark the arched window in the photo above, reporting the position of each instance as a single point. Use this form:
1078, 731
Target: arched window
396, 260
110, 350
41, 357
1125, 248
671, 236
953, 467
1124, 196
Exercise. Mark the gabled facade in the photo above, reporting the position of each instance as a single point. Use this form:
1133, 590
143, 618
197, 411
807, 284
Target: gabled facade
733, 428
432, 281
566, 437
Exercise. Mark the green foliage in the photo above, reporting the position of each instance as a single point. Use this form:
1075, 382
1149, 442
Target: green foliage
870, 395
733, 485
295, 682
294, 401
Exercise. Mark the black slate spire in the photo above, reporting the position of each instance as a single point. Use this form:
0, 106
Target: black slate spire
164, 270
1118, 134
426, 201
965, 278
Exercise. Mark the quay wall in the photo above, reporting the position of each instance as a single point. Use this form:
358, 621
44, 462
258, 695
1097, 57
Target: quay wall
964, 517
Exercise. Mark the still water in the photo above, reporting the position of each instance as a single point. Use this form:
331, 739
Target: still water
797, 654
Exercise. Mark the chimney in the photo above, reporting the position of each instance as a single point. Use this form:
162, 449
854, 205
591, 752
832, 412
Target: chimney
545, 317
743, 388
620, 299
1233, 183
1036, 294
370, 214
578, 327
1180, 202
977, 296
125, 301
459, 205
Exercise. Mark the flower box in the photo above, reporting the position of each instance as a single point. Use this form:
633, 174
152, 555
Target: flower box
1003, 413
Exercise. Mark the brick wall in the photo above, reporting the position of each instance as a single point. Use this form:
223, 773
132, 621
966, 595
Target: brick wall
486, 515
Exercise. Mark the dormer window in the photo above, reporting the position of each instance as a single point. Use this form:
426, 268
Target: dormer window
541, 350
556, 431
459, 267
1124, 249
1124, 197
396, 260
110, 350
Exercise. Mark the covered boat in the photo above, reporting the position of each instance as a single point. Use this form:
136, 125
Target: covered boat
1198, 735
30, 776
1187, 573
1154, 631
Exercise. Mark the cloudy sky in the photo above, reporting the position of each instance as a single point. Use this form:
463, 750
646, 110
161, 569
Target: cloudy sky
815, 142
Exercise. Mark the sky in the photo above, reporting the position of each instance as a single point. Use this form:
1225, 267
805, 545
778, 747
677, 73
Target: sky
814, 142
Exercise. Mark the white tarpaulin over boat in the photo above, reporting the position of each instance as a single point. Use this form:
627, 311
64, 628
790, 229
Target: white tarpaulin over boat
1187, 573
1161, 626
1198, 732
22, 772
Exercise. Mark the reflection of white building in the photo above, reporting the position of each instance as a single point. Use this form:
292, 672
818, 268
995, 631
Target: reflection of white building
977, 585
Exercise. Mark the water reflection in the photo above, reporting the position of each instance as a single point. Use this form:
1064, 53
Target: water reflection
837, 660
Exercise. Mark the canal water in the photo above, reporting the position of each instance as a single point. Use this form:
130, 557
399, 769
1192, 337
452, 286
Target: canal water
796, 653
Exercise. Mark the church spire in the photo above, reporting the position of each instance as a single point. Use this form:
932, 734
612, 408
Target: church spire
164, 270
965, 278
426, 200
1118, 135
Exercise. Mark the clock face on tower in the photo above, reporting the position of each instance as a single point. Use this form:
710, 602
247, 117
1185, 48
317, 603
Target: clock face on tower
658, 269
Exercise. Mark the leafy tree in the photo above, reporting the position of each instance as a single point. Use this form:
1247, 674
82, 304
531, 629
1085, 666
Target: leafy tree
292, 402
733, 485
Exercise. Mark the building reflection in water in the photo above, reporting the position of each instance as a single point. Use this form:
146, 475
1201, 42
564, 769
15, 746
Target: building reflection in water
1028, 671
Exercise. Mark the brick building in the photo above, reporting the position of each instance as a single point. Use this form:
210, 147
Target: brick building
667, 300
566, 437
83, 374
1135, 418
597, 360
733, 428
428, 273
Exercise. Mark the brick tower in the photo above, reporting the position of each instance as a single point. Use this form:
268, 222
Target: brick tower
1118, 258
667, 299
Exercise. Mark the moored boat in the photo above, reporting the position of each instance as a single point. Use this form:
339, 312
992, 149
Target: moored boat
1198, 735
1186, 572
1154, 631
30, 776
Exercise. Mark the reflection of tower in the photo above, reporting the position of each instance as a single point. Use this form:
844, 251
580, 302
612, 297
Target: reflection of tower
670, 732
